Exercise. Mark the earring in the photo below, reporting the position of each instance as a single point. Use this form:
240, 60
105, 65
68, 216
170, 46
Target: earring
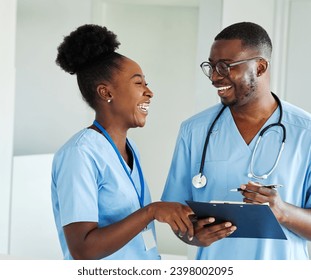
109, 100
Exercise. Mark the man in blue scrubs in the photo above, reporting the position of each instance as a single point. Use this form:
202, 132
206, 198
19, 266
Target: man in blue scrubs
238, 67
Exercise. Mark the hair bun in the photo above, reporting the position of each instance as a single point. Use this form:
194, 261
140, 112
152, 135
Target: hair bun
84, 45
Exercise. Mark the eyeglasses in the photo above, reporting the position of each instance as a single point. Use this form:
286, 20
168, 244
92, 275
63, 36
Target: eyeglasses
222, 68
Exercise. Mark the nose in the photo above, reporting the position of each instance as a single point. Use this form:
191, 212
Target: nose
215, 75
148, 92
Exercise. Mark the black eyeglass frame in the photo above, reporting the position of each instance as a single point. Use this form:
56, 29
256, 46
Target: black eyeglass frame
209, 73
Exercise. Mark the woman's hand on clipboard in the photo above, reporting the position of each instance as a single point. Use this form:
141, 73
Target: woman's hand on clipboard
205, 233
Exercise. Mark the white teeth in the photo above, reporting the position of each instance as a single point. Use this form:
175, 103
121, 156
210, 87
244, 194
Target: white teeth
224, 88
144, 107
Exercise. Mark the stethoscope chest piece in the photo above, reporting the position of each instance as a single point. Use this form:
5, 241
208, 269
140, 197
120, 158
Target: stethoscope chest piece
199, 181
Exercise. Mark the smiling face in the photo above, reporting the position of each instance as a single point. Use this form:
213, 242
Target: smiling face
130, 96
240, 86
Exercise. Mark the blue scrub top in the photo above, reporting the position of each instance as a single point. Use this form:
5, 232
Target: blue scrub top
90, 184
227, 166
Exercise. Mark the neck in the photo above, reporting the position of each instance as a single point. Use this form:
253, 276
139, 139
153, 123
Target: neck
259, 108
251, 117
118, 137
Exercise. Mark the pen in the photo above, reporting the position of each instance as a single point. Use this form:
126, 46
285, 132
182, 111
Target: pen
272, 186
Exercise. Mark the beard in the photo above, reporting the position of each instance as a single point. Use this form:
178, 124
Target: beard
244, 92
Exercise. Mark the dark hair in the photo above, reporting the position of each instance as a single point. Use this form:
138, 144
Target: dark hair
252, 35
89, 52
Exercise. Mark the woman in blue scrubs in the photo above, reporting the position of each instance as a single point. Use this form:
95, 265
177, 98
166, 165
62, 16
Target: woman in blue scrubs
101, 202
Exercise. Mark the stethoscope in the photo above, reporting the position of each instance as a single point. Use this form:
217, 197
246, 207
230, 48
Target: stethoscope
200, 180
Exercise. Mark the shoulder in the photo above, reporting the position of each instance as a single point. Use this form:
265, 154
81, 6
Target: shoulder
295, 116
78, 140
83, 142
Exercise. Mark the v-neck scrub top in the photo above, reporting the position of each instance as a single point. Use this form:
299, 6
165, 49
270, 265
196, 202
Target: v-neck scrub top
227, 166
89, 184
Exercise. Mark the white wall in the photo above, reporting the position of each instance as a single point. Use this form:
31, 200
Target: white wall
298, 55
7, 86
209, 24
33, 234
48, 106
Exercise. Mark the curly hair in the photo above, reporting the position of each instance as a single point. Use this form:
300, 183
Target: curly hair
251, 34
89, 52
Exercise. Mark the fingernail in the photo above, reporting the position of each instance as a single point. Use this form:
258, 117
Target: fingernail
190, 238
211, 220
180, 234
228, 224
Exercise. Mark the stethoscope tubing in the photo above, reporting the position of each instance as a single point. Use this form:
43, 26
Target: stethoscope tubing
251, 174
208, 138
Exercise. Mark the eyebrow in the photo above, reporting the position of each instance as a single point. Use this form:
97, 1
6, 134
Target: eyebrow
224, 60
138, 75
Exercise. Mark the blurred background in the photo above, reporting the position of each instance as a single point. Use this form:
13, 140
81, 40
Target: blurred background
41, 107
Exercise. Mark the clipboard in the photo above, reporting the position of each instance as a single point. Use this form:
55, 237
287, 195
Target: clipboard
251, 220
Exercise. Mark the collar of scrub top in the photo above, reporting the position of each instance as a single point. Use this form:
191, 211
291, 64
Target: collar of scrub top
199, 180
141, 177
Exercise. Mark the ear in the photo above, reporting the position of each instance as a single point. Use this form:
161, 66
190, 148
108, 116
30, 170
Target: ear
262, 67
104, 92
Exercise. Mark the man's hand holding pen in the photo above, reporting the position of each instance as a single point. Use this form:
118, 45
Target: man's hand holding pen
258, 194
272, 186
